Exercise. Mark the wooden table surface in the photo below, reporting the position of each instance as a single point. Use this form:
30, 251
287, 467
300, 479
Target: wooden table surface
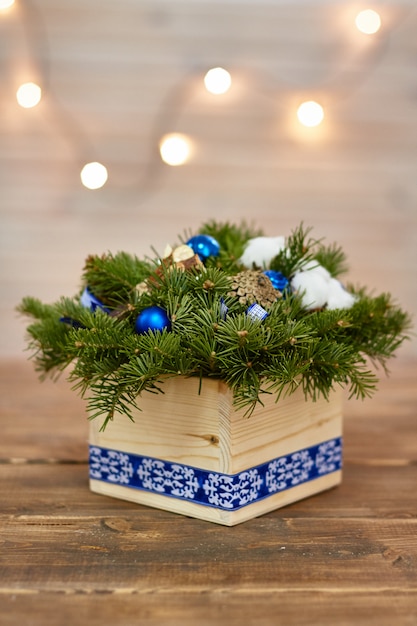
68, 556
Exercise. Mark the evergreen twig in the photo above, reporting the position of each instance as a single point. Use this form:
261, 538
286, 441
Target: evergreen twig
291, 348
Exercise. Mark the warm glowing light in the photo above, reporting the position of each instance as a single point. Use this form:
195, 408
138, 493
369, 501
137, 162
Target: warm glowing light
175, 149
93, 175
310, 113
6, 4
28, 95
217, 80
368, 22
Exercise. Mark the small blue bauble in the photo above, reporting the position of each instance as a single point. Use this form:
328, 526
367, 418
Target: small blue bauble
204, 246
277, 279
152, 318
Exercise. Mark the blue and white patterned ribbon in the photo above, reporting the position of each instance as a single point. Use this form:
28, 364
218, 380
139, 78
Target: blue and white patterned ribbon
223, 491
223, 309
89, 301
256, 312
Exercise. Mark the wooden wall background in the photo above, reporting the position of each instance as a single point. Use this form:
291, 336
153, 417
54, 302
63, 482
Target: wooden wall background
118, 74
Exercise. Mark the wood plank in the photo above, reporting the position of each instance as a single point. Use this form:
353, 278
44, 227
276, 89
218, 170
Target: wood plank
41, 420
47, 553
367, 491
350, 554
205, 607
68, 556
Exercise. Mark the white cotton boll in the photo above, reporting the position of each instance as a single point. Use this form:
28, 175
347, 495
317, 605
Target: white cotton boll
338, 297
317, 288
261, 250
314, 266
312, 286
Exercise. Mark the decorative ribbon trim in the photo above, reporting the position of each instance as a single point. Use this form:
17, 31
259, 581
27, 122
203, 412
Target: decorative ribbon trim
222, 491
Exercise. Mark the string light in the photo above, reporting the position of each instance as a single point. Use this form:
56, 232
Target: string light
310, 113
217, 80
368, 22
6, 4
29, 95
175, 149
94, 175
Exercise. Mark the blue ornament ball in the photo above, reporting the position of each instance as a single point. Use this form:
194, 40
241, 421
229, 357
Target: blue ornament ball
204, 246
152, 318
278, 280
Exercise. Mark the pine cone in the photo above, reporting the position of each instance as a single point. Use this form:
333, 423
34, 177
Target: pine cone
253, 286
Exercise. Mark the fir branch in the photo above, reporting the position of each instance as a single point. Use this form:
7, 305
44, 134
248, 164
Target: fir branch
33, 307
283, 374
167, 281
333, 258
202, 342
299, 249
109, 397
292, 348
113, 278
212, 283
378, 327
47, 335
231, 237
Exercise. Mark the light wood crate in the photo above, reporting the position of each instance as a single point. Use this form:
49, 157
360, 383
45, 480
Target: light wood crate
193, 454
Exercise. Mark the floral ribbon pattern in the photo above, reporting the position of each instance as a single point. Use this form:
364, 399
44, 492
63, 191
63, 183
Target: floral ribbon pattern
223, 491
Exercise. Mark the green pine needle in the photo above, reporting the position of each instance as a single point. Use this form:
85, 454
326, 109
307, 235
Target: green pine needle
290, 349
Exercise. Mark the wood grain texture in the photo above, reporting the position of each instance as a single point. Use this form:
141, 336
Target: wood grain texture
223, 606
201, 428
346, 556
117, 73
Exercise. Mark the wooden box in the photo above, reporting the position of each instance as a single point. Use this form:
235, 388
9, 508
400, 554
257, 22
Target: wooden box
193, 454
